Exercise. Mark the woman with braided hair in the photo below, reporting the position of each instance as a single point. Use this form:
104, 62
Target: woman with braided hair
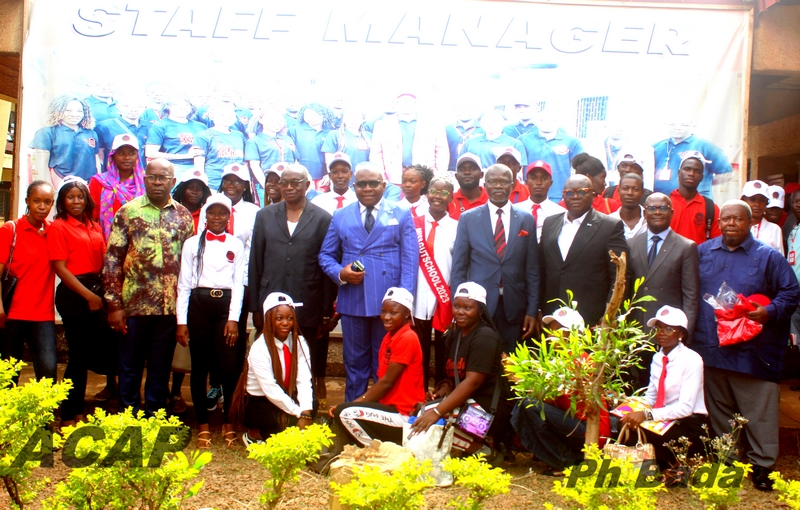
274, 390
316, 121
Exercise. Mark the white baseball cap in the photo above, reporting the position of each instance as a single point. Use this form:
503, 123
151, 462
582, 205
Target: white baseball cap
190, 175
278, 168
753, 188
471, 290
70, 179
217, 198
340, 156
776, 196
501, 151
567, 317
400, 295
468, 156
238, 170
696, 155
670, 316
124, 139
277, 299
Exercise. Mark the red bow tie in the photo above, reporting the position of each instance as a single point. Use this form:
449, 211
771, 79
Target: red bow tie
215, 237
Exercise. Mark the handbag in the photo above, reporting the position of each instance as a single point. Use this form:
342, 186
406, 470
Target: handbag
472, 418
181, 359
634, 454
8, 280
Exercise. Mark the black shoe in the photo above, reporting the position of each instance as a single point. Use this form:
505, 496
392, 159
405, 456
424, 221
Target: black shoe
761, 480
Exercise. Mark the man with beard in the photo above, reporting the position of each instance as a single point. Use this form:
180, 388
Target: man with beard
470, 193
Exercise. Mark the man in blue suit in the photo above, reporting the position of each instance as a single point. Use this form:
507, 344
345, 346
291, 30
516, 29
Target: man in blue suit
380, 235
496, 248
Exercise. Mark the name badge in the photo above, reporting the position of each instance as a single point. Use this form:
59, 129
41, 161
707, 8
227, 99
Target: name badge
665, 174
790, 258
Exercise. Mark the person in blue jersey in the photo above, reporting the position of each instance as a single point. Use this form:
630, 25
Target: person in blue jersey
669, 153
464, 128
128, 122
101, 101
350, 138
267, 147
158, 94
524, 110
220, 145
173, 137
68, 144
308, 135
226, 94
492, 123
554, 146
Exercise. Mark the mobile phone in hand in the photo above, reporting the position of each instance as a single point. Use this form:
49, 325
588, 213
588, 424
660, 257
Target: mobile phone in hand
357, 266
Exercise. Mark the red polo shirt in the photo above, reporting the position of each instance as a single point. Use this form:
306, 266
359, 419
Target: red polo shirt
34, 295
520, 193
460, 203
689, 218
80, 245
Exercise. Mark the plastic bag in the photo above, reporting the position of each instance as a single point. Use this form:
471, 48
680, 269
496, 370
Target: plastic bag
426, 446
730, 309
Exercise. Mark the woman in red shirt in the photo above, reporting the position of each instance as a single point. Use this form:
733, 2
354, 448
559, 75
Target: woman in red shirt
31, 315
76, 247
381, 412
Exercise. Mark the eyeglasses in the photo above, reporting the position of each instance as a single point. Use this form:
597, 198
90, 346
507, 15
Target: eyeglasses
158, 178
436, 193
667, 330
371, 184
238, 183
294, 183
663, 209
498, 182
580, 192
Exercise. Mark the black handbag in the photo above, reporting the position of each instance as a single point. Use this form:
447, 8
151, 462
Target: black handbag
8, 280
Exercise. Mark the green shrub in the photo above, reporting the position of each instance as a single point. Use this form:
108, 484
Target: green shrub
482, 480
370, 489
789, 492
24, 412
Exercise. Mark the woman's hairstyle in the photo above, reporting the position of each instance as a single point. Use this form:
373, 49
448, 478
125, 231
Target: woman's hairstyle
425, 173
447, 179
585, 164
56, 108
328, 118
167, 106
61, 201
238, 403
38, 184
180, 191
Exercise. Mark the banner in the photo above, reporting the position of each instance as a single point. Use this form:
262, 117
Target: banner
597, 78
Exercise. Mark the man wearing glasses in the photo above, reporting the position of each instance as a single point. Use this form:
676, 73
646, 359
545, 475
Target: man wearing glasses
668, 263
574, 253
140, 277
370, 246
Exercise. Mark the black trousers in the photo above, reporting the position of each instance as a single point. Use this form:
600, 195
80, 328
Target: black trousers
510, 333
424, 328
311, 334
690, 427
319, 354
261, 414
208, 349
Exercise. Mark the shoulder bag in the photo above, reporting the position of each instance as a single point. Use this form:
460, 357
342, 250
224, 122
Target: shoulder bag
472, 418
8, 280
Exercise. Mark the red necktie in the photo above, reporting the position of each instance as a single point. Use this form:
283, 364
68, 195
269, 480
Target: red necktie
432, 236
214, 237
535, 211
339, 202
287, 363
499, 235
230, 222
660, 396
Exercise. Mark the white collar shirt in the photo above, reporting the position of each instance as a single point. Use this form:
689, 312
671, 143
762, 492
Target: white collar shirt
663, 235
244, 220
363, 210
261, 380
768, 233
637, 229
547, 208
683, 386
425, 301
418, 208
569, 230
329, 201
505, 217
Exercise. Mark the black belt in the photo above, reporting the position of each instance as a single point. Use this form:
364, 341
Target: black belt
214, 293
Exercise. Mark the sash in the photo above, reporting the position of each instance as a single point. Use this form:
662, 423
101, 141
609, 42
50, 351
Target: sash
443, 316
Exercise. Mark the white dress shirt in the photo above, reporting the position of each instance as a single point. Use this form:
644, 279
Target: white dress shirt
547, 208
637, 229
425, 300
683, 386
329, 202
261, 379
418, 208
568, 232
222, 268
244, 219
363, 210
505, 216
768, 233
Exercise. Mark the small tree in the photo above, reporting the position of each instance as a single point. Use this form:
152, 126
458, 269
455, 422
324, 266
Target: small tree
588, 366
24, 412
371, 489
482, 480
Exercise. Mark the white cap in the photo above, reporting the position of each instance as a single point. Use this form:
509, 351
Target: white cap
340, 156
70, 179
567, 317
471, 290
776, 196
501, 151
670, 316
753, 188
400, 295
190, 175
696, 155
629, 158
238, 170
278, 168
124, 139
369, 165
277, 299
217, 198
468, 156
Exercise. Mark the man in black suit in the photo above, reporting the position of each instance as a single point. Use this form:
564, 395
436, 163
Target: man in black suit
574, 253
287, 237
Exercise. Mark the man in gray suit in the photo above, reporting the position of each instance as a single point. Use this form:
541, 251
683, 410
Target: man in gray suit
669, 263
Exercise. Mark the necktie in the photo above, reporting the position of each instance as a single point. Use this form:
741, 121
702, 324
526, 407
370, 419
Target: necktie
653, 253
214, 237
660, 396
230, 222
535, 211
287, 363
339, 202
499, 235
369, 220
432, 236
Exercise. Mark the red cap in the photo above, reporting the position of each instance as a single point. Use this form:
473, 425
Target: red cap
540, 164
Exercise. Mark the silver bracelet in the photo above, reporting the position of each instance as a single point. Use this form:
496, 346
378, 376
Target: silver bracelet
436, 410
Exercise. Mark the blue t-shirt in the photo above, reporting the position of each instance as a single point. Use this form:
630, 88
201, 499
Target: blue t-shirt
519, 129
356, 147
668, 161
102, 110
175, 138
110, 128
457, 136
392, 192
482, 147
268, 150
308, 142
150, 116
558, 152
221, 150
243, 116
71, 152
408, 129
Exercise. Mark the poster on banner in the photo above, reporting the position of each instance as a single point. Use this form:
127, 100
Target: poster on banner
210, 83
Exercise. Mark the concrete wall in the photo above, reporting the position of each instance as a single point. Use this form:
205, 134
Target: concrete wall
776, 40
775, 148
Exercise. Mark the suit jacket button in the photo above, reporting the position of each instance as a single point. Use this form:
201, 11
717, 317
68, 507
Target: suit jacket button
383, 272
290, 244
360, 254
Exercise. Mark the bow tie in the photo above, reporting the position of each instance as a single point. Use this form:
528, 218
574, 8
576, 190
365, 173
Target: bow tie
214, 237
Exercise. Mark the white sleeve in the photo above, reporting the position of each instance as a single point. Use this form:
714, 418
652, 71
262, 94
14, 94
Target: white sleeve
692, 380
185, 280
246, 268
305, 394
261, 368
237, 290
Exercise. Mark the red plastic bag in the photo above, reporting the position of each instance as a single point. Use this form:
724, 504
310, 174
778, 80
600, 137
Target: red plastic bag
733, 326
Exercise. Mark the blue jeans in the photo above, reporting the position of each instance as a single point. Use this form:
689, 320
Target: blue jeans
151, 339
41, 339
557, 440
